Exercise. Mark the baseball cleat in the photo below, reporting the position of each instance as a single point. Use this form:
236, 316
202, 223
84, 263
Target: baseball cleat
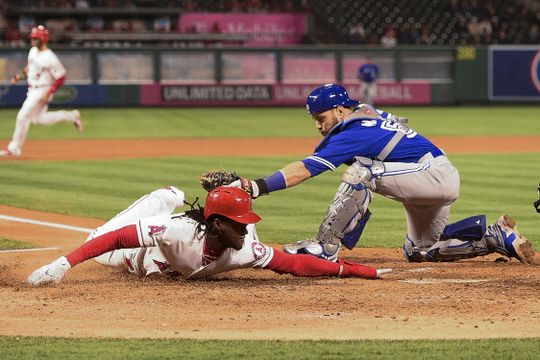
51, 273
414, 255
411, 253
8, 153
78, 121
504, 238
313, 247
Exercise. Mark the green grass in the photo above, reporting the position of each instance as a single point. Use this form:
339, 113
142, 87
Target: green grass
8, 244
33, 348
491, 185
280, 122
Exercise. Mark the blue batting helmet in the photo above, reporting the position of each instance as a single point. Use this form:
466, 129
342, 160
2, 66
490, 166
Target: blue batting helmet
327, 97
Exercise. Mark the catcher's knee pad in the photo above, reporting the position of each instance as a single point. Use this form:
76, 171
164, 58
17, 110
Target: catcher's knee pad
346, 216
363, 173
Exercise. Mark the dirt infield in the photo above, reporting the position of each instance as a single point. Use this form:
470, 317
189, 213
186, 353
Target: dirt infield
136, 148
478, 298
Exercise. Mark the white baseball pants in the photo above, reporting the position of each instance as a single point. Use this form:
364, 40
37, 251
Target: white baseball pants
34, 112
161, 201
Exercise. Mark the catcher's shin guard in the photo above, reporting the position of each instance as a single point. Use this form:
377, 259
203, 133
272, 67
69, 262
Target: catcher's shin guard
346, 217
460, 240
454, 249
348, 213
501, 237
471, 228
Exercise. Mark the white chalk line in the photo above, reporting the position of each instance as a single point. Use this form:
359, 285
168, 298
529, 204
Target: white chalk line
28, 250
41, 223
441, 281
46, 223
437, 281
422, 269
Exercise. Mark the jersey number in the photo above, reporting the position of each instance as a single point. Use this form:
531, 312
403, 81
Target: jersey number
391, 126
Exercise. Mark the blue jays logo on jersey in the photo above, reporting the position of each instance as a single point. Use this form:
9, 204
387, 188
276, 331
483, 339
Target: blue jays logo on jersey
535, 71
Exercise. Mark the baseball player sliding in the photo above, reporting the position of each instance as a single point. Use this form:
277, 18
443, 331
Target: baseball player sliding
390, 159
147, 238
45, 74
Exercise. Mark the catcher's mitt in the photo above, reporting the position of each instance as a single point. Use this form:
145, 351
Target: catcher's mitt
212, 179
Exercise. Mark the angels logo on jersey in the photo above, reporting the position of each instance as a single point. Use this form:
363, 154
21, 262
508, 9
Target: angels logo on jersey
156, 229
161, 265
259, 250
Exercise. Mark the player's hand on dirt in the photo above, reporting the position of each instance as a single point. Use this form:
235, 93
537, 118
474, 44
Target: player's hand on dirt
383, 271
356, 270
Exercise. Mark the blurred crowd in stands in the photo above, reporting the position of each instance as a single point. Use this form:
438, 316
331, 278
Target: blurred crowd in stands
185, 5
17, 18
458, 21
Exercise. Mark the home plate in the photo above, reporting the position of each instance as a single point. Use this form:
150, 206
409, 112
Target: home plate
440, 281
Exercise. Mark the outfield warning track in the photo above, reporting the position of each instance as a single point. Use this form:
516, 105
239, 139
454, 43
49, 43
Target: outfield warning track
90, 149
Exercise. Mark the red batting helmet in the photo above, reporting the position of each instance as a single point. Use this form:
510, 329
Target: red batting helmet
40, 32
231, 202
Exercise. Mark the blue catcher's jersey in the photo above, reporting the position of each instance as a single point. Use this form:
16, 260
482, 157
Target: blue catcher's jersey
366, 137
368, 72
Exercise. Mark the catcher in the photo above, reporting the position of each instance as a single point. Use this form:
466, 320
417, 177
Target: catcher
147, 238
384, 157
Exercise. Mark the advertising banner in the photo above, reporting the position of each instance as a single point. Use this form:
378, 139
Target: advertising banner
389, 93
514, 73
263, 29
67, 95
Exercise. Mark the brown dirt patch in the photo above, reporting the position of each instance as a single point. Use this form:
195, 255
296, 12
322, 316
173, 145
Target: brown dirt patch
137, 148
478, 298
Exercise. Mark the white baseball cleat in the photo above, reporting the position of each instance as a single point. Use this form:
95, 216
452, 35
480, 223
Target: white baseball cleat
8, 154
314, 247
78, 121
51, 273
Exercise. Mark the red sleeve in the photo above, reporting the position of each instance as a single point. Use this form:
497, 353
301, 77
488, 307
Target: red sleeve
311, 266
57, 83
122, 238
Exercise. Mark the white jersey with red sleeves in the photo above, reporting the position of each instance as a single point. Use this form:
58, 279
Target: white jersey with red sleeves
175, 246
43, 67
170, 244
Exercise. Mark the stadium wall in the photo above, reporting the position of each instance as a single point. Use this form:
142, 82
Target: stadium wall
264, 77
